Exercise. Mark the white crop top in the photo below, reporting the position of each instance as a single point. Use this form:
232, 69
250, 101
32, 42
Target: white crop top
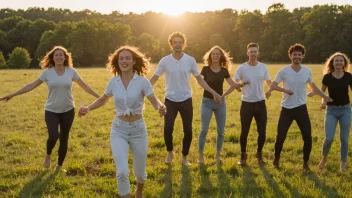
129, 101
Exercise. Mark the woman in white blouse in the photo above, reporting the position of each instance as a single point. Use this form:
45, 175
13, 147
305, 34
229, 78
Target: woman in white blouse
128, 87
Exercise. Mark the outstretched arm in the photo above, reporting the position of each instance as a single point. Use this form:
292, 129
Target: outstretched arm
234, 85
96, 104
315, 89
157, 104
205, 86
87, 88
154, 79
25, 89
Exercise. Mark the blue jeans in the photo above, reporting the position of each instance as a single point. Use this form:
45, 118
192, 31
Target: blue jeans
207, 108
334, 114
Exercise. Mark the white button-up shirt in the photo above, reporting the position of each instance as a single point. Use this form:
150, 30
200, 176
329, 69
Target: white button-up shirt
129, 101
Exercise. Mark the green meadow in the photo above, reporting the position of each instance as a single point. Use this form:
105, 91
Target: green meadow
91, 170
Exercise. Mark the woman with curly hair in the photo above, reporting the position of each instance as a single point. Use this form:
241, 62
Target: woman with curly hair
128, 87
217, 70
59, 108
337, 80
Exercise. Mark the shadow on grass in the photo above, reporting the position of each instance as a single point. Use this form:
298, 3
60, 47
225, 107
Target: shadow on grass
206, 188
37, 186
271, 182
250, 187
224, 182
186, 183
327, 190
167, 192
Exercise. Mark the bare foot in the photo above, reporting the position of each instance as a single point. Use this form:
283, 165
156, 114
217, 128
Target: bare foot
201, 158
322, 163
169, 158
343, 166
185, 162
47, 161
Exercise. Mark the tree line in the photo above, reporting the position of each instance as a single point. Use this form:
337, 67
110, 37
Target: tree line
90, 36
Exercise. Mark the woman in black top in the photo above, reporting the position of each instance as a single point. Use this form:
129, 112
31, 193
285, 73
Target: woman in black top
214, 74
338, 81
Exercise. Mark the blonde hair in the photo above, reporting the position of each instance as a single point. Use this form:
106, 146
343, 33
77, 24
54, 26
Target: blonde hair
141, 67
225, 58
48, 59
329, 64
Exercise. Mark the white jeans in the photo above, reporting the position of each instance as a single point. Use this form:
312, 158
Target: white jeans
134, 135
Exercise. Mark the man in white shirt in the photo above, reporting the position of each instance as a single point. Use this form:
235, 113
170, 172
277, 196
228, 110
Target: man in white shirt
295, 77
253, 74
178, 68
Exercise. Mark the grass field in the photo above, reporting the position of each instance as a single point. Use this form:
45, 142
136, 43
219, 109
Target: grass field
90, 167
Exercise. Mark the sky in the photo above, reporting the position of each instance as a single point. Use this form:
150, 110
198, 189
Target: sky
174, 7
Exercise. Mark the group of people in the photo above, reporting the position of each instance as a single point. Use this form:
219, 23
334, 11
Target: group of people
129, 86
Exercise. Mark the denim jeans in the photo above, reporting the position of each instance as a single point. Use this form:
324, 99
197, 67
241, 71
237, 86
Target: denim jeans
209, 106
334, 114
125, 135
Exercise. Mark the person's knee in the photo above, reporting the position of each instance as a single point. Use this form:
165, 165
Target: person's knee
221, 134
122, 175
53, 137
344, 141
328, 141
203, 133
280, 140
307, 138
169, 127
262, 133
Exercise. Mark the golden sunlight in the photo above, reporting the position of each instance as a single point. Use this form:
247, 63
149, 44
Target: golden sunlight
174, 11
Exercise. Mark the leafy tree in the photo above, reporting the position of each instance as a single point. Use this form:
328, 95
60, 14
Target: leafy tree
148, 44
19, 58
3, 63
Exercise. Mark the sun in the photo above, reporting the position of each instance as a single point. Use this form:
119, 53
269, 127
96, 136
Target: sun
175, 12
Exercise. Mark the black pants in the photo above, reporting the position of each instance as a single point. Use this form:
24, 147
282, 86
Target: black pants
186, 110
53, 120
247, 112
300, 115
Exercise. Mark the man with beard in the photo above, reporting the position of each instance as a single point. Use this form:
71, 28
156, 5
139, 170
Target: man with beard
178, 68
295, 77
252, 74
